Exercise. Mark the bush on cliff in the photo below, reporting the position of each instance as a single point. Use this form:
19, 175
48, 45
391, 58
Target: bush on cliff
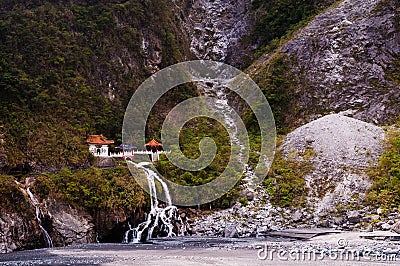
93, 189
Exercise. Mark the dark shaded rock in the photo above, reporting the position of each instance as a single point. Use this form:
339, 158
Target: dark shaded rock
231, 232
396, 227
19, 232
324, 223
250, 196
353, 217
3, 163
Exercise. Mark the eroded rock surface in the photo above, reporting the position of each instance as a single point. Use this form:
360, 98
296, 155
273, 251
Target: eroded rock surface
215, 27
342, 149
345, 59
71, 226
17, 232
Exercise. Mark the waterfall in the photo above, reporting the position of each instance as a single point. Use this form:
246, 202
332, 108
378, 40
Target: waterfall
159, 218
39, 214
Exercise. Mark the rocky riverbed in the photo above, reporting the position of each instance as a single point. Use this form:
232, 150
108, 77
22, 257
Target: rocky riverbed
331, 249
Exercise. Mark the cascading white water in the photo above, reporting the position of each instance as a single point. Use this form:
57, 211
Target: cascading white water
47, 238
161, 218
222, 106
213, 36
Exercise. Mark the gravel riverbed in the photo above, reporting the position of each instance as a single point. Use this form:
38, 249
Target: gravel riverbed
344, 248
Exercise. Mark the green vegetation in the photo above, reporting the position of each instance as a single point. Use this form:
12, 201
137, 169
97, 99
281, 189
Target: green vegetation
385, 177
190, 136
279, 18
279, 87
285, 181
11, 197
68, 69
93, 189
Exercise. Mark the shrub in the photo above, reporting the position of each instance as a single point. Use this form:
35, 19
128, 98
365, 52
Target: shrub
385, 177
285, 181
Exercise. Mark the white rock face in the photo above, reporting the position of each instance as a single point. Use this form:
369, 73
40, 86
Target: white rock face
344, 57
344, 147
215, 26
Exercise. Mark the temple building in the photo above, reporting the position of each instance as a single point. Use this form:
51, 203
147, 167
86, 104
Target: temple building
155, 148
98, 145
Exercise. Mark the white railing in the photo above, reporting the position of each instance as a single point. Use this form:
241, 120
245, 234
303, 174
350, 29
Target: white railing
125, 153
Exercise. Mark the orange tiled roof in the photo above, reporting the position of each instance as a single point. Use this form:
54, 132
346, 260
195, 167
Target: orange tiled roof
153, 143
98, 139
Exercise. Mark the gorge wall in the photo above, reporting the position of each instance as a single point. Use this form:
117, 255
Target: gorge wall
69, 68
344, 60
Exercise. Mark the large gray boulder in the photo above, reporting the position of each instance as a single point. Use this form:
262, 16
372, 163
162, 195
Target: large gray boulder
70, 225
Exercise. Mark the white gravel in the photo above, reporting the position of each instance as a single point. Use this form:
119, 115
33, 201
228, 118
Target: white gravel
344, 148
338, 140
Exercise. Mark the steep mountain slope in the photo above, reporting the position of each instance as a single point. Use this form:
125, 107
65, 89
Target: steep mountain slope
67, 69
345, 60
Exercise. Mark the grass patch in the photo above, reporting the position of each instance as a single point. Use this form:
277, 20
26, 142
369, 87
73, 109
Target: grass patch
285, 181
385, 177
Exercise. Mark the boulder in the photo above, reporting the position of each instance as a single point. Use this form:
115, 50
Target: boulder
231, 232
386, 226
250, 196
396, 227
370, 228
297, 216
353, 217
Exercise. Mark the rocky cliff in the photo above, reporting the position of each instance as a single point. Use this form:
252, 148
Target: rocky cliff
68, 69
21, 229
215, 28
17, 232
345, 60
